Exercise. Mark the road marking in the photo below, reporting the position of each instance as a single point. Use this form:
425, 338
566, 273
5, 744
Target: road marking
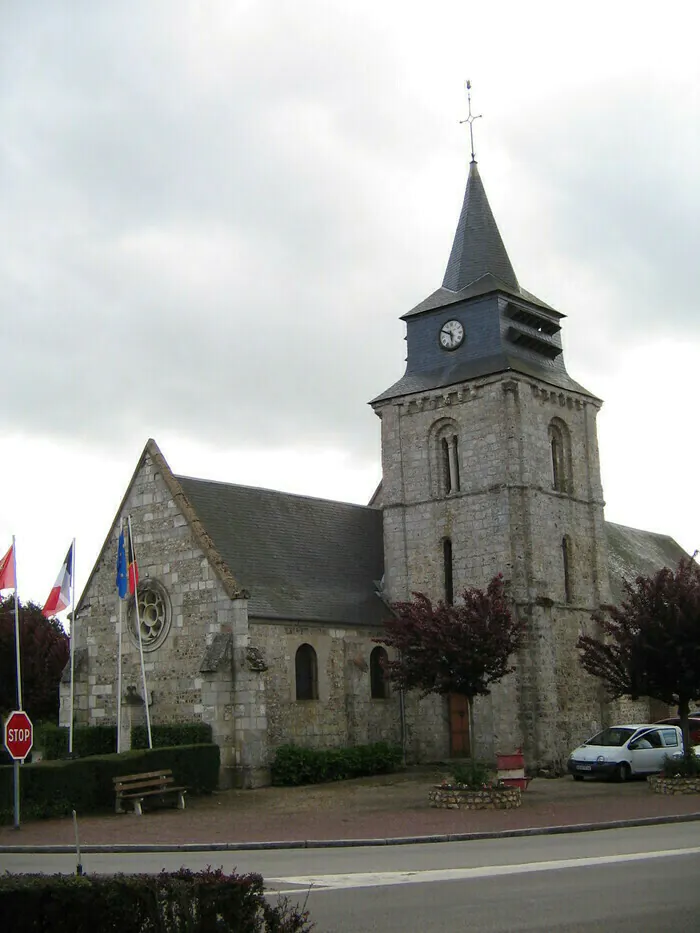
382, 879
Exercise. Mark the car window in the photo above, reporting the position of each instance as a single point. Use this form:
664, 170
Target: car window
670, 737
650, 739
614, 736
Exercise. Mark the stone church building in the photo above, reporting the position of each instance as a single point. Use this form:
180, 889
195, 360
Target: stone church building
259, 609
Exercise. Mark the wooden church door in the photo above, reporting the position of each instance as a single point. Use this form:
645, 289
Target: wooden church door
460, 740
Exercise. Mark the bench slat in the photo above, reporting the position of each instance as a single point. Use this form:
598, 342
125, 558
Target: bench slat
153, 793
133, 785
166, 772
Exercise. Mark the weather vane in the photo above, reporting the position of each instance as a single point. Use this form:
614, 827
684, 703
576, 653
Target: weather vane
470, 119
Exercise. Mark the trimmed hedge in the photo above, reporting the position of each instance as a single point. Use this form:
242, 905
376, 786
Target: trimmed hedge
102, 740
87, 740
54, 788
207, 901
294, 765
179, 733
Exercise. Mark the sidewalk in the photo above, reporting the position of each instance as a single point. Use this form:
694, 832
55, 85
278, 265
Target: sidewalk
380, 808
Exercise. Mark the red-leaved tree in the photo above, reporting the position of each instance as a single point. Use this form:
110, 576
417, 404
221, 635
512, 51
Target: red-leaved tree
651, 643
44, 651
461, 648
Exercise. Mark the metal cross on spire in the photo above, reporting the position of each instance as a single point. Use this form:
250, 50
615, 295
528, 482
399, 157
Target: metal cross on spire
470, 119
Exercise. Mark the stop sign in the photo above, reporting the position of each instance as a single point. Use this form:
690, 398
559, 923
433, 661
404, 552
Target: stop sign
19, 735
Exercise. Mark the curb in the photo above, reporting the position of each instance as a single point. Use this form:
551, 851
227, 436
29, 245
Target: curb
348, 843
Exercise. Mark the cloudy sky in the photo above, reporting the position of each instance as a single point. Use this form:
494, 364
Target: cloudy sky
215, 212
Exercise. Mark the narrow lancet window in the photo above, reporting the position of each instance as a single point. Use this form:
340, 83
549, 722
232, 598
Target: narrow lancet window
566, 561
306, 670
447, 566
379, 683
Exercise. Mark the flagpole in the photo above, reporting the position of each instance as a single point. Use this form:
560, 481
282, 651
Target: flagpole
16, 801
138, 629
72, 648
119, 664
17, 649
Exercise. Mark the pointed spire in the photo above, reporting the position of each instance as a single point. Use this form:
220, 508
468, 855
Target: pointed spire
478, 248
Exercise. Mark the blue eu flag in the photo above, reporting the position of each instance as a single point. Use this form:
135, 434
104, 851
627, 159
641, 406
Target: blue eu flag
121, 568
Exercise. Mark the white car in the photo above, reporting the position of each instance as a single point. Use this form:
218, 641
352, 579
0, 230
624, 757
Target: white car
621, 751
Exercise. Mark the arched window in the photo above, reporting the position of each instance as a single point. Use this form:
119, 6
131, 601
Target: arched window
444, 457
450, 463
306, 669
560, 456
566, 561
447, 570
379, 683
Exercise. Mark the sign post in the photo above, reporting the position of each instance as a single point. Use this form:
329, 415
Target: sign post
18, 738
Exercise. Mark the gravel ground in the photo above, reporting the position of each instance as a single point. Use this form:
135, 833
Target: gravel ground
383, 806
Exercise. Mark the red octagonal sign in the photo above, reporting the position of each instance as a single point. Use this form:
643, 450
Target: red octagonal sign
19, 735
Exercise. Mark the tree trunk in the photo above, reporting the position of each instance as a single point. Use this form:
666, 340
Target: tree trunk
683, 707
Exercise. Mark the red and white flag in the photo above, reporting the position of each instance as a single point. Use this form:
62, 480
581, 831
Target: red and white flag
7, 570
59, 597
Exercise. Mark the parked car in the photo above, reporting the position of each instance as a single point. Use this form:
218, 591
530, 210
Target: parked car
693, 722
622, 751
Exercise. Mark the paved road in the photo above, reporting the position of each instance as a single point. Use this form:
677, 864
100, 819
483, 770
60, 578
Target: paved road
637, 879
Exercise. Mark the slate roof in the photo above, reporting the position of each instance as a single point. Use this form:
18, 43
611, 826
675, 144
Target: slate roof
477, 247
484, 285
633, 552
300, 558
454, 372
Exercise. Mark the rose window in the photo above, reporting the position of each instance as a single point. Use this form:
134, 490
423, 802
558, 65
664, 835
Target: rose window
153, 615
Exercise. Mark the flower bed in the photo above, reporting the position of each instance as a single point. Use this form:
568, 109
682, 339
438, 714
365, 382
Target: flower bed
674, 785
453, 797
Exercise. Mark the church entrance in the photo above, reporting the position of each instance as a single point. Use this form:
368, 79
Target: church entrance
460, 740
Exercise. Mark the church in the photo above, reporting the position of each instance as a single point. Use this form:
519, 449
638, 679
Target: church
258, 610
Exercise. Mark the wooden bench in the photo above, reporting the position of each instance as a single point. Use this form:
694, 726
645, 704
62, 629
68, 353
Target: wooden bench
136, 787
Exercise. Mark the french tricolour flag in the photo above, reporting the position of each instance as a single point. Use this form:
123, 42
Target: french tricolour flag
59, 597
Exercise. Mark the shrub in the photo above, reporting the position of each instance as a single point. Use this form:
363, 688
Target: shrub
681, 767
179, 733
471, 773
87, 740
54, 788
204, 901
293, 765
102, 740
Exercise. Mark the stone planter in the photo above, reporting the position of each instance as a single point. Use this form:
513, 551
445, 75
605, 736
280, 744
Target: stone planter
674, 785
464, 798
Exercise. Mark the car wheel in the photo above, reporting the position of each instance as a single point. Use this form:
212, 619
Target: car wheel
623, 772
578, 777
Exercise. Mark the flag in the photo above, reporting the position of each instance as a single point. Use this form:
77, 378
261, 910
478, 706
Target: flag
7, 570
59, 597
133, 567
121, 567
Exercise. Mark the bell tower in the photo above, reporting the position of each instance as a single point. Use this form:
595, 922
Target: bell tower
490, 465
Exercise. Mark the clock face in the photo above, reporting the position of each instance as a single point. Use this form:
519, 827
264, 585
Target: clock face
451, 335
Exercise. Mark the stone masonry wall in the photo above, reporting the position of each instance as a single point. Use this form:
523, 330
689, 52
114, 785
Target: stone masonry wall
199, 611
506, 518
345, 713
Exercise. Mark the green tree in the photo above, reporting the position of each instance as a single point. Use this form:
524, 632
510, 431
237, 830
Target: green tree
650, 645
453, 648
44, 650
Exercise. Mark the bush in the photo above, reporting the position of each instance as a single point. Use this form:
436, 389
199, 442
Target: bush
294, 765
204, 901
472, 774
54, 788
87, 740
179, 733
682, 767
102, 740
